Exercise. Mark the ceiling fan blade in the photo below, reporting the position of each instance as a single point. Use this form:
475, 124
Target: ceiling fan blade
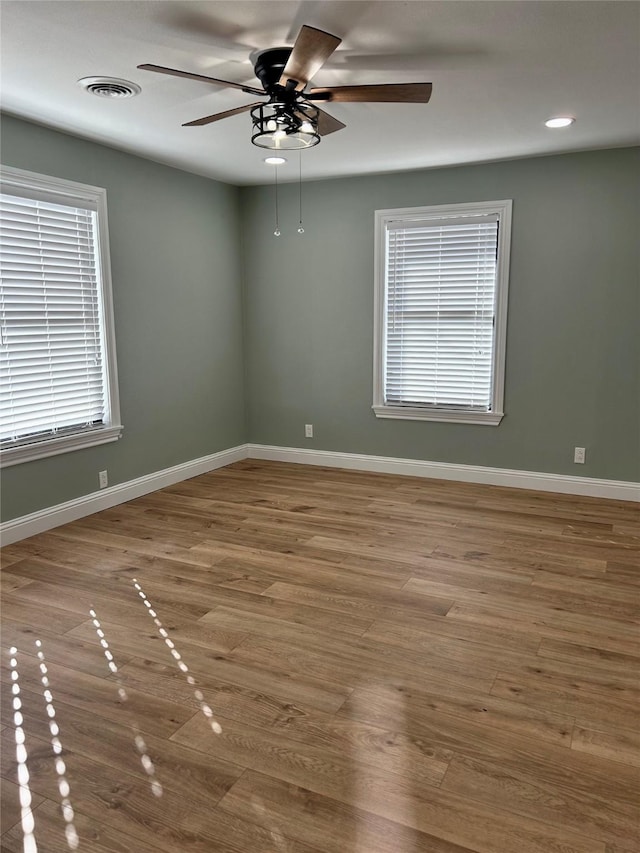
191, 76
407, 93
217, 116
311, 50
328, 124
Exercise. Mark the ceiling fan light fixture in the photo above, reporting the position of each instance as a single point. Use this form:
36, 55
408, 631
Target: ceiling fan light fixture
275, 161
281, 126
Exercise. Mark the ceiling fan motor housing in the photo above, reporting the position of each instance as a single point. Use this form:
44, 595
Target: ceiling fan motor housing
269, 66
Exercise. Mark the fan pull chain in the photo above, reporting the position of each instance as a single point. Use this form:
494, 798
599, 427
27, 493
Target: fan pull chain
277, 231
300, 225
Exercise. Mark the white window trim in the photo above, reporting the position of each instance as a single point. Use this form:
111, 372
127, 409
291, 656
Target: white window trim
71, 192
461, 416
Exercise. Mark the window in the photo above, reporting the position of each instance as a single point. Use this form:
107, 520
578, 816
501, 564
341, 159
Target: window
440, 312
58, 382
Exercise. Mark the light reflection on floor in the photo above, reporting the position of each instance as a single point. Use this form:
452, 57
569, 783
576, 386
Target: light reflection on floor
56, 744
206, 710
141, 746
64, 788
365, 832
260, 809
26, 814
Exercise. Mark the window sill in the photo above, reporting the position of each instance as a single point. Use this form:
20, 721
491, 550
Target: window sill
451, 416
55, 446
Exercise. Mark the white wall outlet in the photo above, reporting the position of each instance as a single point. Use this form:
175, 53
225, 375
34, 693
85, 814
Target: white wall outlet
308, 430
103, 479
579, 454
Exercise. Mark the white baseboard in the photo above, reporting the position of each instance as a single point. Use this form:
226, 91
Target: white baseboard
46, 519
561, 483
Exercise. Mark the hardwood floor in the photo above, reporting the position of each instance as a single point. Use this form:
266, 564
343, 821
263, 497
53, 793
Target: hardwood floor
327, 661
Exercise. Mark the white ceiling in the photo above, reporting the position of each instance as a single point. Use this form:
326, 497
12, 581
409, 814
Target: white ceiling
498, 69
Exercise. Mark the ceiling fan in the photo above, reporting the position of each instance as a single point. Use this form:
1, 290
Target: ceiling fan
290, 119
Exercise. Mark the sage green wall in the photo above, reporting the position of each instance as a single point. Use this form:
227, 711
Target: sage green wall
178, 318
177, 245
573, 353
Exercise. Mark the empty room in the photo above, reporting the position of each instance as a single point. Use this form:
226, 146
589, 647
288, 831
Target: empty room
320, 426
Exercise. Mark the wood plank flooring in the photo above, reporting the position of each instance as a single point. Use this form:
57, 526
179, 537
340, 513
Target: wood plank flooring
327, 661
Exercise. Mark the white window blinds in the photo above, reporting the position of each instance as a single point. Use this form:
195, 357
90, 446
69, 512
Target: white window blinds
52, 377
439, 324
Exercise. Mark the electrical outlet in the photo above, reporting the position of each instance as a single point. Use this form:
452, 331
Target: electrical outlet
579, 454
308, 430
103, 479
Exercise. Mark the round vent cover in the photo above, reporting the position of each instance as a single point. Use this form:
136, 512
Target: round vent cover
109, 87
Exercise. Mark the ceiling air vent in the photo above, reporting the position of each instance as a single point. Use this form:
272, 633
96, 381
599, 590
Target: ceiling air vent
109, 87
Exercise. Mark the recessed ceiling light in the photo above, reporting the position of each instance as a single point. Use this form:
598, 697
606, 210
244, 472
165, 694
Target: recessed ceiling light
559, 121
109, 87
275, 161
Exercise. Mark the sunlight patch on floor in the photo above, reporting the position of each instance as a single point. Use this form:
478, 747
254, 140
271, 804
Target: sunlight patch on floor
141, 746
175, 654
